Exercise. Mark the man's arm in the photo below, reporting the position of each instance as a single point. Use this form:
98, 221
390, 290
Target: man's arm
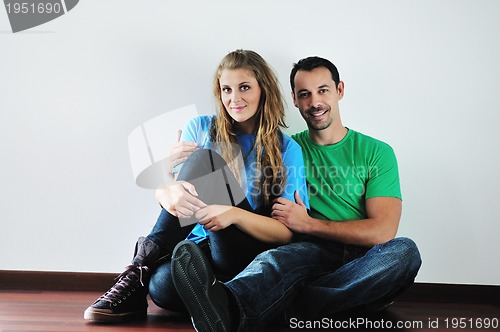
380, 226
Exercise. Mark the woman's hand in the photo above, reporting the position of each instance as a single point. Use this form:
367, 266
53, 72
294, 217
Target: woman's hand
180, 199
266, 229
217, 217
179, 153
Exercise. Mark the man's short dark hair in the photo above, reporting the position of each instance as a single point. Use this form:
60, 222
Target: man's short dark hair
311, 63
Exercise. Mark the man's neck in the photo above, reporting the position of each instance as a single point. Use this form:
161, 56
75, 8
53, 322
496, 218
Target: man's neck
329, 136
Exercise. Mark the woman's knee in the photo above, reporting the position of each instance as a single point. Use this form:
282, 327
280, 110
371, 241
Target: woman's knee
199, 164
207, 158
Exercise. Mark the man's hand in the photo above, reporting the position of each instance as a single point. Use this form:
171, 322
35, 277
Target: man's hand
292, 215
216, 217
179, 199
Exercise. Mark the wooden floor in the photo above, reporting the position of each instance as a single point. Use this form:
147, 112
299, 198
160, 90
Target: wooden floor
63, 311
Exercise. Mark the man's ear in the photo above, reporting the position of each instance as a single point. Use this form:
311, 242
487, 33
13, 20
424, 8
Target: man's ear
340, 89
294, 100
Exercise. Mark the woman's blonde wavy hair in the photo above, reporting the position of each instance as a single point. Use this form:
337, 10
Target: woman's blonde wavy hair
269, 121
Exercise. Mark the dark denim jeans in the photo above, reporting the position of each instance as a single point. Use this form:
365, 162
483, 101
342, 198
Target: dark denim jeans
229, 250
214, 183
314, 280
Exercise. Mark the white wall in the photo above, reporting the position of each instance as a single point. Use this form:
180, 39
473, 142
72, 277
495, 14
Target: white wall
421, 75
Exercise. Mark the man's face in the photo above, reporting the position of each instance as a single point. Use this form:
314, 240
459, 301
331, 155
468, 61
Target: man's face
317, 98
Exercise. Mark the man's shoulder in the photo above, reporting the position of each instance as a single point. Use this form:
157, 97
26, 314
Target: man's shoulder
301, 137
369, 141
362, 141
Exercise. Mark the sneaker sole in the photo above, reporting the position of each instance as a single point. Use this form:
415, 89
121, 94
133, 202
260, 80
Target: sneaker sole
193, 283
97, 316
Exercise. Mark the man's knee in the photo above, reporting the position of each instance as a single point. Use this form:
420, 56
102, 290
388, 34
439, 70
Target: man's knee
408, 253
408, 248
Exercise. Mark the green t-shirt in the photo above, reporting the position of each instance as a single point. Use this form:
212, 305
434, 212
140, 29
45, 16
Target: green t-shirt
342, 176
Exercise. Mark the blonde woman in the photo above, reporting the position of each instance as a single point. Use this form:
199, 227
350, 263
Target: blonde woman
232, 209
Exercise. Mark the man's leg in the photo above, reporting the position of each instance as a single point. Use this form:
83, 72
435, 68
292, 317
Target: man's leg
270, 283
256, 296
372, 280
274, 281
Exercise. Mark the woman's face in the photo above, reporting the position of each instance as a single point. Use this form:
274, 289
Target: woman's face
240, 95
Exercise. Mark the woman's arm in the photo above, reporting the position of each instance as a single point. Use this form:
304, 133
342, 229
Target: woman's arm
261, 227
266, 229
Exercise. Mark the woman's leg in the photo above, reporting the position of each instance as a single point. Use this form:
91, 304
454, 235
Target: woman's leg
232, 250
126, 299
161, 286
214, 183
162, 290
167, 232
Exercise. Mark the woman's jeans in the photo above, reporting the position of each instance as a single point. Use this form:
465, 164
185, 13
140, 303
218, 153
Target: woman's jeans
314, 280
229, 250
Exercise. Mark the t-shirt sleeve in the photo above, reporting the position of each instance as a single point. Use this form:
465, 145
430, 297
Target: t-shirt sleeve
296, 175
191, 130
383, 179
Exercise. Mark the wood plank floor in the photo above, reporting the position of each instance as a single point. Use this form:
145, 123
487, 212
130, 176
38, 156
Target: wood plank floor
63, 311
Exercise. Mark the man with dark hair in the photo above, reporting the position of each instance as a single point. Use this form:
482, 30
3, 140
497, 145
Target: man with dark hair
313, 62
344, 256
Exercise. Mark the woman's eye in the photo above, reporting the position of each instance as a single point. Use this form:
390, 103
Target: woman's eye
244, 88
226, 90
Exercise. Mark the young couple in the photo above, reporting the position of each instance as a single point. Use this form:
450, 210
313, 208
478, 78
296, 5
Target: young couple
266, 255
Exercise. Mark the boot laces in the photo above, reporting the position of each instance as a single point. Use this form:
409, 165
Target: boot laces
126, 284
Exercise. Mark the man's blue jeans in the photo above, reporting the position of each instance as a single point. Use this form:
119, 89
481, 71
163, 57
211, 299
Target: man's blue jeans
313, 280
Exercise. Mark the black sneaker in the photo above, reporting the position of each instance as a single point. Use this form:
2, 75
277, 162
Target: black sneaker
204, 297
125, 301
